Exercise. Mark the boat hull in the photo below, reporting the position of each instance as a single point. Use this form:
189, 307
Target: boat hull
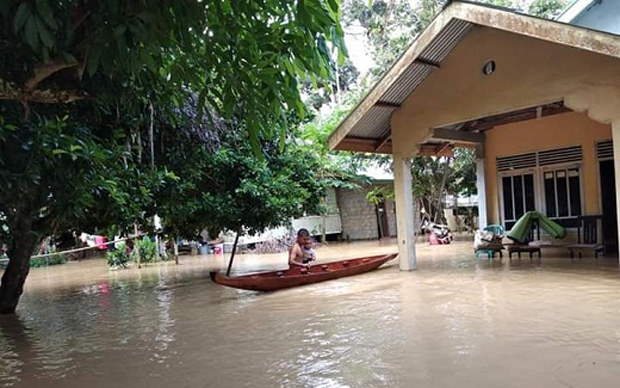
277, 280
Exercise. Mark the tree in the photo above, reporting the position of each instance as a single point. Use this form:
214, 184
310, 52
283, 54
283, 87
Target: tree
323, 93
548, 9
229, 190
390, 26
105, 76
54, 173
241, 56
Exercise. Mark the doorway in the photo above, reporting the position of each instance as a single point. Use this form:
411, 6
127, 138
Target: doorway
382, 219
608, 202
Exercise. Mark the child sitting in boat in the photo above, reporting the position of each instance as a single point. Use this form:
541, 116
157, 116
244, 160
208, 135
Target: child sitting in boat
302, 253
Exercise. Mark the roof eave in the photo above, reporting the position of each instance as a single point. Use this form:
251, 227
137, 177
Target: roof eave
553, 31
391, 75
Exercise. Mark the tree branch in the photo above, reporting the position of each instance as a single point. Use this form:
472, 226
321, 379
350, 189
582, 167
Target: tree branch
55, 98
46, 70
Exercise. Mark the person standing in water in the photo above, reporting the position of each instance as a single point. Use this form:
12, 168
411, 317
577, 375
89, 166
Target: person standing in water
301, 253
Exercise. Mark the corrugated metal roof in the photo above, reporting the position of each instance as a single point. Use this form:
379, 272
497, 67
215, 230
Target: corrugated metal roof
375, 124
369, 122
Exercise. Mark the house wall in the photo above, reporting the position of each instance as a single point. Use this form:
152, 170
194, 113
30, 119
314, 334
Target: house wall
359, 217
601, 15
564, 130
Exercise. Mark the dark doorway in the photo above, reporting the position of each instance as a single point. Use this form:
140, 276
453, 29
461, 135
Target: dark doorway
608, 199
382, 219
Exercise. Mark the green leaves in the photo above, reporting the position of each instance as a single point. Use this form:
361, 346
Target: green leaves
37, 26
244, 57
231, 190
21, 16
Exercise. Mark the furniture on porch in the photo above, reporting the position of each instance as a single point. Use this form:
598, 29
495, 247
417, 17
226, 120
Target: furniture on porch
522, 233
493, 247
588, 236
528, 246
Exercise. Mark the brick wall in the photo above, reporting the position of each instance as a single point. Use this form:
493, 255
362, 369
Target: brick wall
359, 217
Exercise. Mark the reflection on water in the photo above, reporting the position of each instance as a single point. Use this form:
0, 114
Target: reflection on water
454, 322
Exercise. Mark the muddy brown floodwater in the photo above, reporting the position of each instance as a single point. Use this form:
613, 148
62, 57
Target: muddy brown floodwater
455, 322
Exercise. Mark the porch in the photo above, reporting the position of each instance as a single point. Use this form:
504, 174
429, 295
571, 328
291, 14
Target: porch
538, 100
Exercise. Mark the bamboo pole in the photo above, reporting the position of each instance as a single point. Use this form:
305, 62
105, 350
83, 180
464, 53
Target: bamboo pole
232, 255
136, 245
81, 249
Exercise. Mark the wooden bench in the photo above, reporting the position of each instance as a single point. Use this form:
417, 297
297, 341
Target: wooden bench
518, 249
528, 247
587, 237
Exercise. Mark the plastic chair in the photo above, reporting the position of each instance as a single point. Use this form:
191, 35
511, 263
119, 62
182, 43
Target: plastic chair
497, 230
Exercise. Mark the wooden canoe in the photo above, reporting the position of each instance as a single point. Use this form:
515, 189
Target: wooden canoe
299, 276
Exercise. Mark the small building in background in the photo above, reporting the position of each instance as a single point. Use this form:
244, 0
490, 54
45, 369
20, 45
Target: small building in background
363, 219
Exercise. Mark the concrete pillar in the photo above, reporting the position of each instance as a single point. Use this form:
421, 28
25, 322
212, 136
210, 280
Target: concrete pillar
615, 134
481, 182
404, 213
482, 194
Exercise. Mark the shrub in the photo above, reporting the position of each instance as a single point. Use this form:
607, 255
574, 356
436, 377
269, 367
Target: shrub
38, 262
48, 260
57, 259
118, 257
147, 249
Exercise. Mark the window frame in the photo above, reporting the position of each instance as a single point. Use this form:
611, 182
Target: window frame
553, 168
500, 192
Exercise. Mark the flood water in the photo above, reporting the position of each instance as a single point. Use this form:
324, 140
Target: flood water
455, 322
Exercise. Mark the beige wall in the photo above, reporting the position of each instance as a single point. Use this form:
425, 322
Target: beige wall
564, 130
529, 72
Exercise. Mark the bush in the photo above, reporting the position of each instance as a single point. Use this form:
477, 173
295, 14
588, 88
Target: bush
57, 259
147, 249
118, 257
48, 260
38, 262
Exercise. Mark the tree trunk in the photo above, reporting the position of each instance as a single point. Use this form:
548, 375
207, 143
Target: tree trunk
457, 219
136, 245
175, 250
442, 191
12, 285
151, 141
416, 219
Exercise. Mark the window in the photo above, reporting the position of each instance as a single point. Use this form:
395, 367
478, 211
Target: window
562, 192
548, 179
518, 196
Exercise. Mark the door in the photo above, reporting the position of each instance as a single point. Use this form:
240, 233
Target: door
608, 201
382, 221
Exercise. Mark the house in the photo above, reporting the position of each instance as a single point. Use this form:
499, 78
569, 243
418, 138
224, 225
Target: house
539, 100
350, 215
